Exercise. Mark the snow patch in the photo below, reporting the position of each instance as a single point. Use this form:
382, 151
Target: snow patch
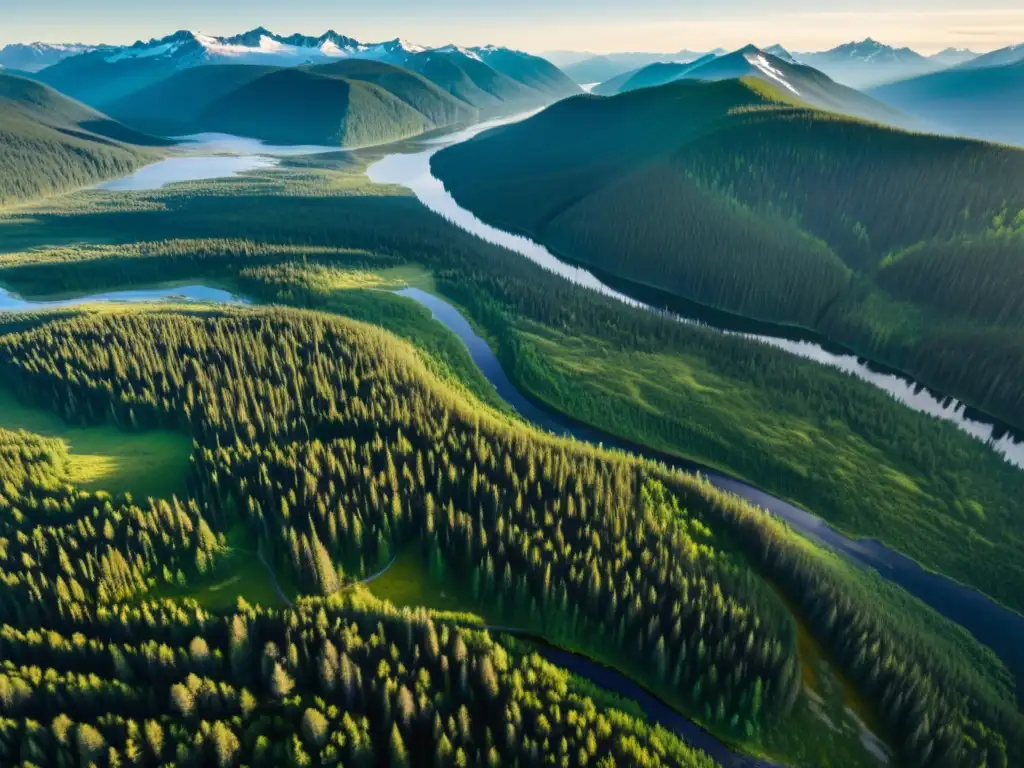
759, 61
143, 53
456, 49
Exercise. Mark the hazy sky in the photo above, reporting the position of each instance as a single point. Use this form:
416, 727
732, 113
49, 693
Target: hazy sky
538, 25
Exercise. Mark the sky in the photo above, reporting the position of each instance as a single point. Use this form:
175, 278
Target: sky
538, 25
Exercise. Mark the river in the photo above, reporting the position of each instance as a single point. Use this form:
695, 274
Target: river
990, 623
997, 627
10, 302
413, 171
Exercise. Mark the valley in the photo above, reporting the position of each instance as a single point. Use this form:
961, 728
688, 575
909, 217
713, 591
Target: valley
408, 403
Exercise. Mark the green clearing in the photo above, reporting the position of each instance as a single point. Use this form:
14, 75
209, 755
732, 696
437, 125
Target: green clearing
239, 574
408, 583
153, 463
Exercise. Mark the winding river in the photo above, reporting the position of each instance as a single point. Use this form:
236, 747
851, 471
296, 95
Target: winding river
413, 171
993, 625
997, 627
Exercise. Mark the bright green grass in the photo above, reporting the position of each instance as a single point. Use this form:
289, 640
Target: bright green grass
679, 404
407, 583
150, 463
239, 574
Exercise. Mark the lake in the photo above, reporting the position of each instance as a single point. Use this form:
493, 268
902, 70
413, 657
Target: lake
10, 302
224, 156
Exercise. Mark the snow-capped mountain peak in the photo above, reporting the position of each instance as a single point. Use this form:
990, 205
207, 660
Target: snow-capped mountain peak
452, 48
33, 57
870, 49
780, 53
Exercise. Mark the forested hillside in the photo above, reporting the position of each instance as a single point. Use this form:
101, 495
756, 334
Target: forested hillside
154, 682
346, 103
332, 445
777, 212
493, 80
173, 106
50, 144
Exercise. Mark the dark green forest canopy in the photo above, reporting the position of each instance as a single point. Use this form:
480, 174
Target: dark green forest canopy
334, 445
725, 194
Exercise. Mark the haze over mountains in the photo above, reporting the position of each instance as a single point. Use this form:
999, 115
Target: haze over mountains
778, 69
487, 77
857, 64
33, 57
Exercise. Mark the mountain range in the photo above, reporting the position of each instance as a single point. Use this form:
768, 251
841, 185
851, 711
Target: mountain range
856, 64
982, 97
489, 78
774, 66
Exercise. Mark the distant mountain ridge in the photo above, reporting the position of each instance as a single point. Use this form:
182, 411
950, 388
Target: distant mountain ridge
106, 76
980, 102
1011, 54
33, 57
603, 67
951, 57
798, 81
869, 62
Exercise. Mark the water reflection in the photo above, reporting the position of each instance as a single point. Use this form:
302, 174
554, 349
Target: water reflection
243, 145
227, 156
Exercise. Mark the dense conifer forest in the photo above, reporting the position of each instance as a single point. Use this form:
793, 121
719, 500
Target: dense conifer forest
879, 238
797, 429
335, 446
